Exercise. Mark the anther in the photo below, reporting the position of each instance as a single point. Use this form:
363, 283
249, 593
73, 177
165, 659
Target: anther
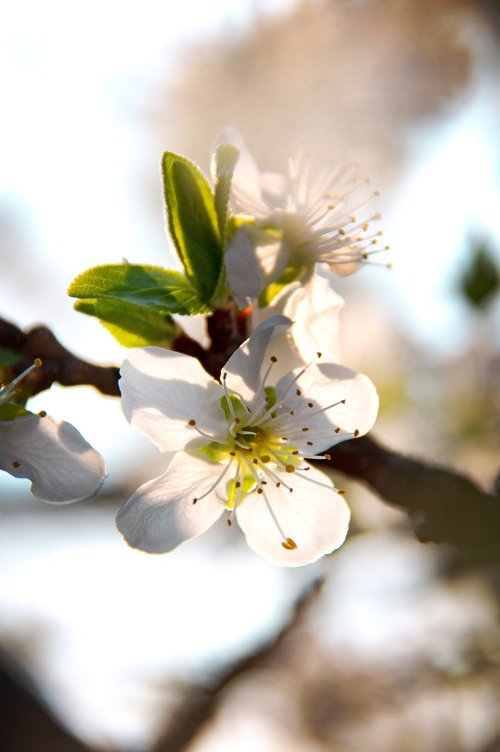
265, 458
289, 544
232, 454
320, 355
274, 359
194, 501
337, 430
260, 491
342, 402
327, 456
356, 433
310, 404
298, 392
37, 362
15, 464
192, 422
309, 443
290, 468
255, 462
305, 429
237, 484
292, 412
341, 491
228, 522
42, 414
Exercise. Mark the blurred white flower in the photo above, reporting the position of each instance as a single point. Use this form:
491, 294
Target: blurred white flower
61, 465
243, 446
296, 223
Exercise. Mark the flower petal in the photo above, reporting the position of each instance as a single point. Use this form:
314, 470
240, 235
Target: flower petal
322, 386
245, 366
160, 514
314, 517
314, 308
162, 390
61, 465
253, 260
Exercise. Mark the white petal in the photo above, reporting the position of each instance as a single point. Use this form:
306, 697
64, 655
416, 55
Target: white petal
323, 385
162, 390
314, 517
245, 367
254, 259
314, 308
160, 514
61, 465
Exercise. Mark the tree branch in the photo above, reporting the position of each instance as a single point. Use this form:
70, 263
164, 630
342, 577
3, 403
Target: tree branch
444, 506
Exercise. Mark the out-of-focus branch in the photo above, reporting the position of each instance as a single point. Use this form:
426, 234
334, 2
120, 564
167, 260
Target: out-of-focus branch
201, 702
445, 507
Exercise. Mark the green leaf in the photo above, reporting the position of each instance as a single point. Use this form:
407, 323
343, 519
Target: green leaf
11, 411
481, 279
193, 222
225, 159
163, 290
9, 357
290, 275
132, 325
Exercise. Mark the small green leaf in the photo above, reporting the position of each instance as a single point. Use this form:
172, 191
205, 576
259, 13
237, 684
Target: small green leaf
132, 325
9, 357
193, 222
225, 159
291, 274
163, 290
11, 411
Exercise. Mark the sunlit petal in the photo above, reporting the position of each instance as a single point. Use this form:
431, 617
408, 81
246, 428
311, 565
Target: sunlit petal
61, 465
161, 514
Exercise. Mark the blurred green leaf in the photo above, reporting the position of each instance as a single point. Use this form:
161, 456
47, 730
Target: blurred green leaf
9, 357
131, 324
11, 411
481, 279
193, 222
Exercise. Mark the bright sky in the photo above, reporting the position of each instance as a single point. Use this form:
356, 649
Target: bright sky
72, 153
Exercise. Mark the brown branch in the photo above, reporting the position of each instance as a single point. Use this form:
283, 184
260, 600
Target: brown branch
58, 364
202, 701
444, 506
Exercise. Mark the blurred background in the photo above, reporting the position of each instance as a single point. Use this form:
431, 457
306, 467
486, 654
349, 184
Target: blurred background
212, 648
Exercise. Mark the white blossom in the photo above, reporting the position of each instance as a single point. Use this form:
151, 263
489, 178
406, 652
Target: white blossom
243, 446
61, 465
295, 222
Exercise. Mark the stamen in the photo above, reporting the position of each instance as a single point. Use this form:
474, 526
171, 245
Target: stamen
214, 485
6, 391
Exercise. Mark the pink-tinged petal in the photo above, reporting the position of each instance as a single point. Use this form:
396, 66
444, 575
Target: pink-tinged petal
61, 465
245, 367
315, 517
314, 307
163, 390
160, 514
253, 260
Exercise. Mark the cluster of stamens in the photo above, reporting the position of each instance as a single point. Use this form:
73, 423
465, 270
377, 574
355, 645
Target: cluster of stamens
260, 445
